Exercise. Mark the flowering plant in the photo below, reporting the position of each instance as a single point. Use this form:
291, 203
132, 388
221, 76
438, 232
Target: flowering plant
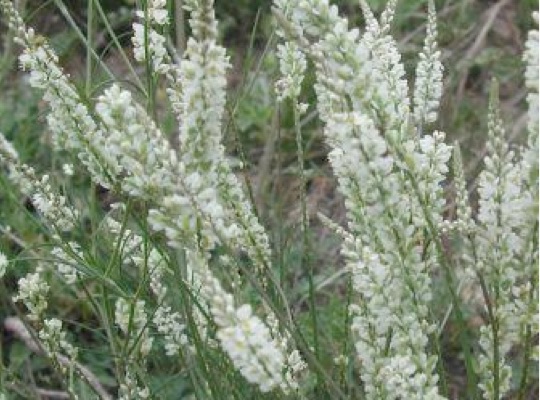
182, 264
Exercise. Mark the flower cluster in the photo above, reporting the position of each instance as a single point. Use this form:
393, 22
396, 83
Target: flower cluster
150, 262
391, 187
530, 56
198, 201
33, 291
148, 43
54, 340
64, 262
242, 335
429, 73
132, 317
54, 207
501, 245
69, 120
292, 65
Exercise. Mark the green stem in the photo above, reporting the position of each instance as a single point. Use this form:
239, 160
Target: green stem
89, 37
304, 258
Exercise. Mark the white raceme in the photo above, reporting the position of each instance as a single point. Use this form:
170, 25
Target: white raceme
183, 248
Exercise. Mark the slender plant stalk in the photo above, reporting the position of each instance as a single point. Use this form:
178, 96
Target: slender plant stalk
90, 46
119, 47
179, 26
304, 258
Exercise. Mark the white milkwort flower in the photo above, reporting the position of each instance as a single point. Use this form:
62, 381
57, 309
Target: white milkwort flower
147, 40
366, 70
69, 120
429, 75
149, 161
132, 320
427, 160
387, 16
530, 56
167, 322
130, 389
391, 182
500, 243
170, 324
243, 336
132, 244
51, 205
527, 294
294, 364
33, 292
54, 340
185, 202
203, 19
136, 145
530, 155
152, 170
156, 11
292, 65
203, 97
148, 43
388, 67
400, 367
